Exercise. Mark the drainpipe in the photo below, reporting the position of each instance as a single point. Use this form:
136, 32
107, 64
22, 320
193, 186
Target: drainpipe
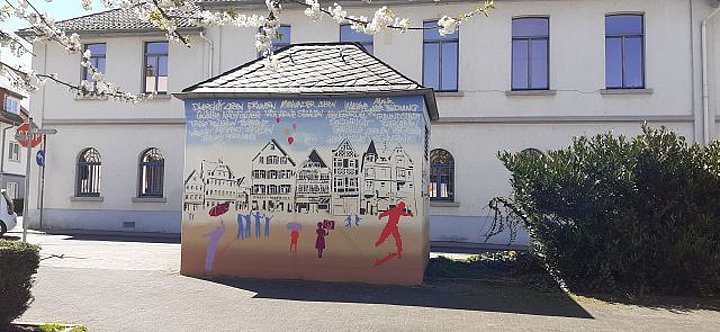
212, 54
705, 86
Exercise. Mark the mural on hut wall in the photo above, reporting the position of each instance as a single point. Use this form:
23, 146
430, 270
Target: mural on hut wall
331, 177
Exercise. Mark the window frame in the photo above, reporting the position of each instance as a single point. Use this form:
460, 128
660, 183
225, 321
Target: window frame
157, 190
623, 37
92, 166
364, 44
529, 40
440, 41
94, 61
156, 76
13, 151
435, 169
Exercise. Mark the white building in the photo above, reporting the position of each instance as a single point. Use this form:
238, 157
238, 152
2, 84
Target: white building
273, 179
345, 198
312, 193
532, 75
386, 179
12, 155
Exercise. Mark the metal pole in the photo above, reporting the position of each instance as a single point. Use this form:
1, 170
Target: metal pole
26, 201
42, 181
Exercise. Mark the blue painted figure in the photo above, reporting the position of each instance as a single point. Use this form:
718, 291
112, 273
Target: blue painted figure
267, 226
348, 221
357, 221
248, 222
240, 230
213, 240
258, 220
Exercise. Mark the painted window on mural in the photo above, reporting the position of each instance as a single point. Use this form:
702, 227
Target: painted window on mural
440, 58
624, 52
88, 174
347, 34
530, 53
156, 67
442, 175
152, 173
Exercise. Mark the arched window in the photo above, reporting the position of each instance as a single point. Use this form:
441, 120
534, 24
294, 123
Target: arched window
87, 182
442, 175
151, 170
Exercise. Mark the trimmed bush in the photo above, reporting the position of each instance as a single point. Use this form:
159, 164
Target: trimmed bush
18, 263
614, 214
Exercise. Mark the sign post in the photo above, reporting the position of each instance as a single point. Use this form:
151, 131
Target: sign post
29, 136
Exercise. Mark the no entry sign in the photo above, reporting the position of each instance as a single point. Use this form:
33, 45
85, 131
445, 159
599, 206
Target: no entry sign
24, 139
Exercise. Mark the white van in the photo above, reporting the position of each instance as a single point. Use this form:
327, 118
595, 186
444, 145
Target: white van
8, 218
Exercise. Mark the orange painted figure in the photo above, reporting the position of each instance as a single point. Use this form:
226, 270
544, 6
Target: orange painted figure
391, 228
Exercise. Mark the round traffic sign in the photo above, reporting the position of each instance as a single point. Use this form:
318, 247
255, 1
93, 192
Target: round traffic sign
23, 131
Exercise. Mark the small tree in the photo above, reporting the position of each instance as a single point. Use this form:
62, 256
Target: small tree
611, 213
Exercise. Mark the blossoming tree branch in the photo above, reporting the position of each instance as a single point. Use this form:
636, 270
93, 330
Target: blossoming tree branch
166, 14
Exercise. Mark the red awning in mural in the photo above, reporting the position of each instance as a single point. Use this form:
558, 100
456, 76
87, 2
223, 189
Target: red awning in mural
219, 209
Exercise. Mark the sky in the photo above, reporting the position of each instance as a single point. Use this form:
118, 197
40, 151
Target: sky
58, 9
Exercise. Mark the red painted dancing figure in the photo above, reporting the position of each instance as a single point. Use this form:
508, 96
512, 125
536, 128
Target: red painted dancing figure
391, 227
320, 241
294, 235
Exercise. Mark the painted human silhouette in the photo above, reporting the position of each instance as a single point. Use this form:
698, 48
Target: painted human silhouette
213, 240
391, 228
348, 221
258, 220
320, 240
294, 235
357, 221
240, 230
267, 225
248, 222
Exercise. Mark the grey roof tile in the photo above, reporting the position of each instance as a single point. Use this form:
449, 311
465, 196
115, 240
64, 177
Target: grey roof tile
312, 68
108, 21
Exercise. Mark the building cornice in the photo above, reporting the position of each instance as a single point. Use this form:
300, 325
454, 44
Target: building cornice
554, 119
126, 121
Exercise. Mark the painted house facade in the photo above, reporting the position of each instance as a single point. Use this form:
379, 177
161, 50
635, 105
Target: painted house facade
494, 92
313, 185
273, 179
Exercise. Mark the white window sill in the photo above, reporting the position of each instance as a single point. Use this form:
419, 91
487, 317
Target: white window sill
83, 98
87, 199
149, 200
162, 97
449, 94
626, 91
525, 93
444, 203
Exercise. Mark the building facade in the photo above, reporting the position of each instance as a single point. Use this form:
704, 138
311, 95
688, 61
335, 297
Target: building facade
273, 179
313, 185
532, 75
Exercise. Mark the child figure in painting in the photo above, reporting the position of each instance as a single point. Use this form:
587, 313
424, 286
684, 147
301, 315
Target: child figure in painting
294, 235
213, 240
267, 226
258, 220
320, 240
391, 228
240, 230
248, 222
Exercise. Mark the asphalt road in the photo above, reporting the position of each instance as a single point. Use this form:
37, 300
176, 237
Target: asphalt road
132, 284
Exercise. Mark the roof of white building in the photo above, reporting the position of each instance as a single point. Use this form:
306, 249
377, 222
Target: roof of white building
108, 22
313, 69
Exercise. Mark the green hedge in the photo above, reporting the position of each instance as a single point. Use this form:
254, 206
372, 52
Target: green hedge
18, 263
615, 214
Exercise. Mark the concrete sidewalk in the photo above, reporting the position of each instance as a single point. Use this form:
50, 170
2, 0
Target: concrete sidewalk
121, 284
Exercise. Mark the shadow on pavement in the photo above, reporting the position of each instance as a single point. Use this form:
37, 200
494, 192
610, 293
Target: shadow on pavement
122, 237
10, 237
447, 294
674, 304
